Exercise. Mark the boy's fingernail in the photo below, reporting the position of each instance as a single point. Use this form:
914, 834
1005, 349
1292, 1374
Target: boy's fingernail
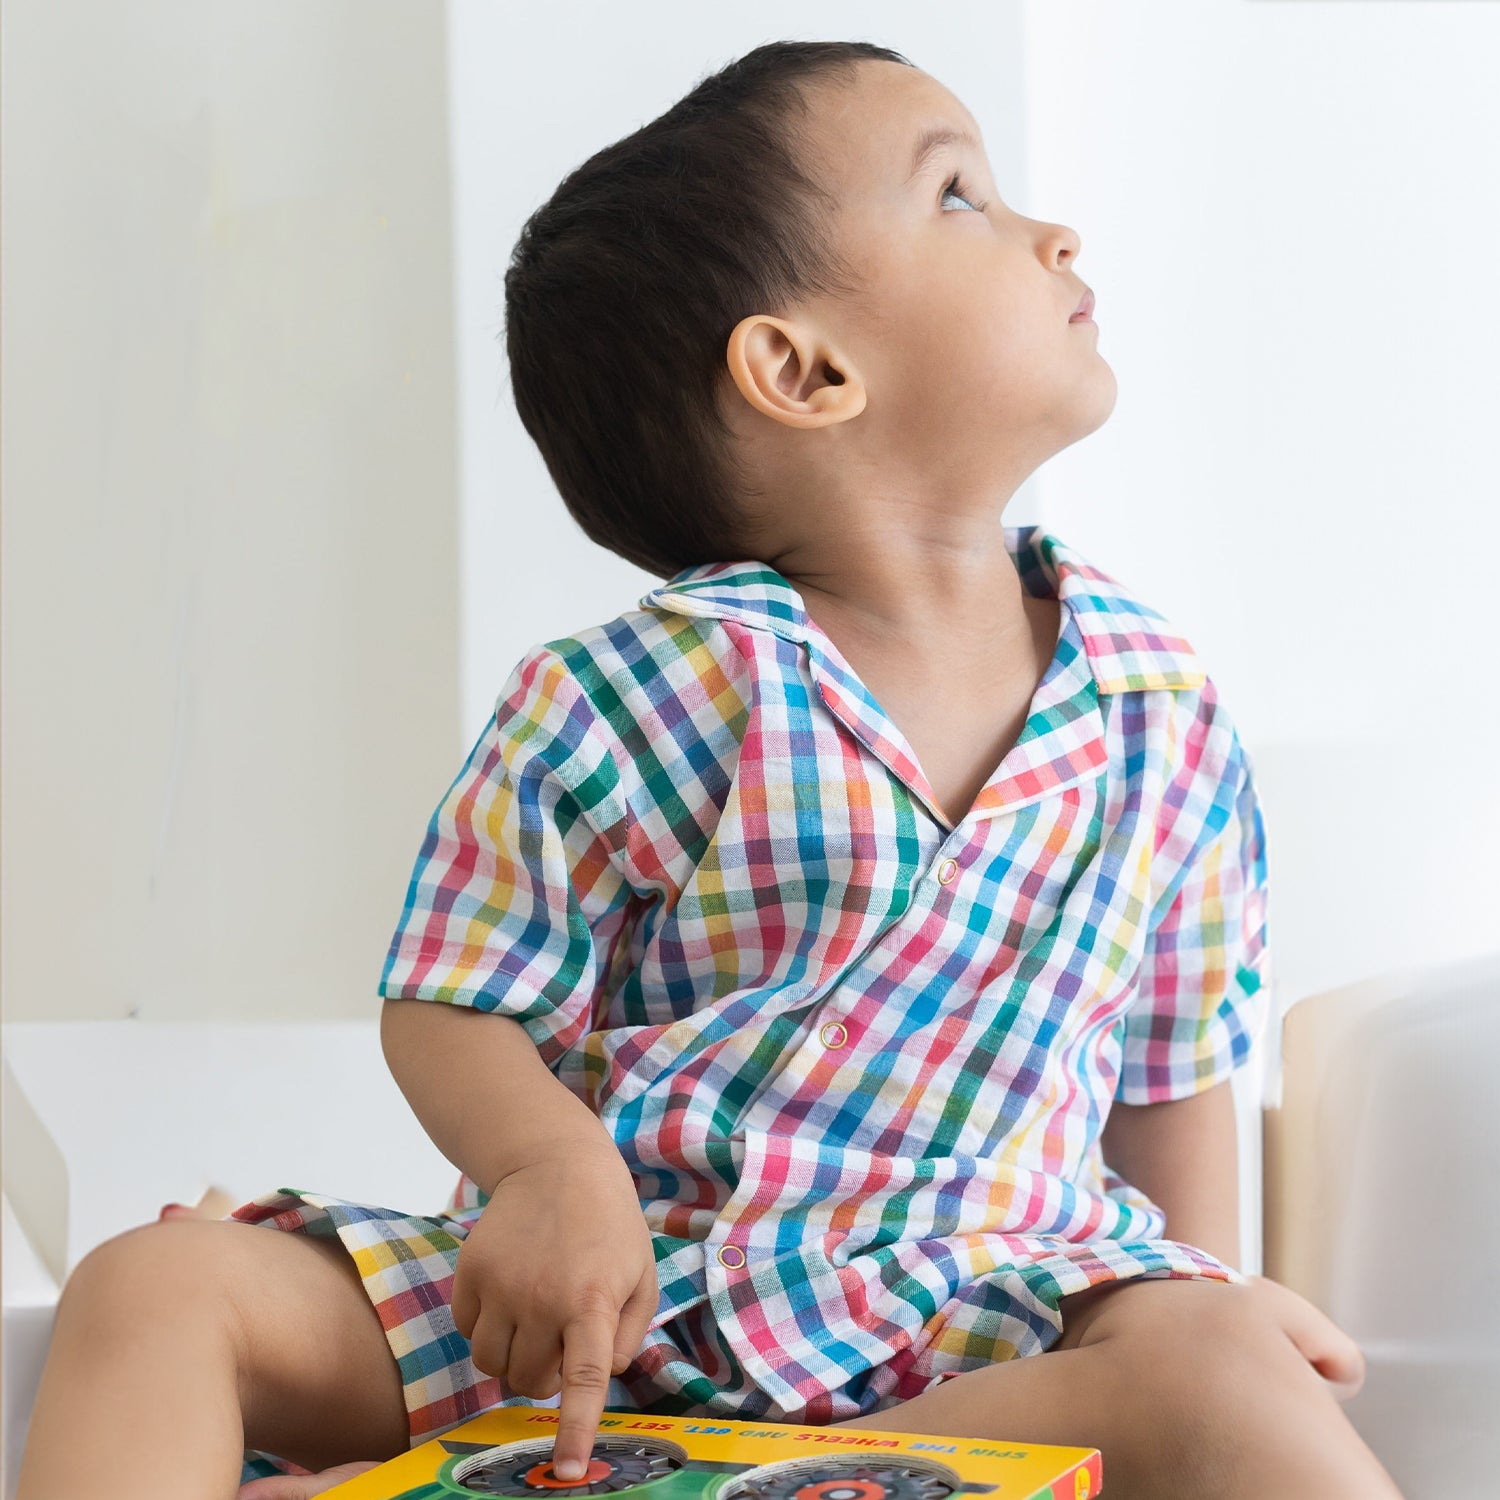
568, 1468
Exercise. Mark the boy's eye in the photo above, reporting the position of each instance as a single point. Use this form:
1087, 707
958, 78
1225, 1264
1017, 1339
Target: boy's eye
956, 189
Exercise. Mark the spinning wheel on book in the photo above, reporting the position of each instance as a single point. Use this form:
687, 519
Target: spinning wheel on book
618, 1464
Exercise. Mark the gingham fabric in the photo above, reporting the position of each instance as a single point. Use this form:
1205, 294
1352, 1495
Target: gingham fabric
856, 1059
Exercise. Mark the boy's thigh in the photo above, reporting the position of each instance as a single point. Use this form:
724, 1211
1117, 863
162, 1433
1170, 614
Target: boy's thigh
1175, 1381
1212, 1389
1195, 1319
1079, 1311
318, 1382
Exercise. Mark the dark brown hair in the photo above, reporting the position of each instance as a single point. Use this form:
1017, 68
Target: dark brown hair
624, 286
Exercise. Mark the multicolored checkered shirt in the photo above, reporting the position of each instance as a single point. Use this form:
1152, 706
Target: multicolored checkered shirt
856, 1059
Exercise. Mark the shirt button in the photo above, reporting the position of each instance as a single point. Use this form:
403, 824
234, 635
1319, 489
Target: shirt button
731, 1256
834, 1034
946, 871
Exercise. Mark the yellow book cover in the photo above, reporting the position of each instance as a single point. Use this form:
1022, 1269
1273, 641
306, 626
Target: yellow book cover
508, 1451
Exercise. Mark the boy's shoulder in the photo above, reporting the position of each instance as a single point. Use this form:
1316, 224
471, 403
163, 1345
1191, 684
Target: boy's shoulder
698, 636
1132, 646
650, 671
673, 639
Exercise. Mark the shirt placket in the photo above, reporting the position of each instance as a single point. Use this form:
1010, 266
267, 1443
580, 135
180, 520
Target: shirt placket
733, 1258
1056, 751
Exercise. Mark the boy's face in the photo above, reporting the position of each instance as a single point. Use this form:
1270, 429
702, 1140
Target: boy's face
960, 334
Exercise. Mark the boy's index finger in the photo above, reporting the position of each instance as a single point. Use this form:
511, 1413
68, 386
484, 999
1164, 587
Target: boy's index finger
588, 1347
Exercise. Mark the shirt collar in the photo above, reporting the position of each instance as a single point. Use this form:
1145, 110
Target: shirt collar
1130, 646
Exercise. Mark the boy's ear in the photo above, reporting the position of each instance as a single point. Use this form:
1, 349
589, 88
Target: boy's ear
784, 370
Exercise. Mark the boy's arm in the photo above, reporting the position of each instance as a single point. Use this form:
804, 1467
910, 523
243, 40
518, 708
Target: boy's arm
1182, 1153
481, 1090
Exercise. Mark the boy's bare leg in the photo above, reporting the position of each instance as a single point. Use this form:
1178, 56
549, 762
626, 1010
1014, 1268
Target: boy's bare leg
1181, 1391
179, 1344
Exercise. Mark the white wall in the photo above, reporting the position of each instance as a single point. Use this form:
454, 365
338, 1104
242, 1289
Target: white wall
234, 503
230, 569
1288, 213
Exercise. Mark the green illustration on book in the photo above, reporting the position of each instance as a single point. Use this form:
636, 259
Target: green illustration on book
645, 1457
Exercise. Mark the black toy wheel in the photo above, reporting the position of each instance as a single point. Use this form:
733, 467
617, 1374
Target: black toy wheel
616, 1463
828, 1478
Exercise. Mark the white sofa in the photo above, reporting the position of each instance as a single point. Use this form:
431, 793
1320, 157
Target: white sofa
1382, 1204
1378, 1184
104, 1121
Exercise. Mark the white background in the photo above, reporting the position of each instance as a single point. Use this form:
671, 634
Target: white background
1290, 217
273, 537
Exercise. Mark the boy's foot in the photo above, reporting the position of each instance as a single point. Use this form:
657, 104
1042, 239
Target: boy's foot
214, 1204
301, 1486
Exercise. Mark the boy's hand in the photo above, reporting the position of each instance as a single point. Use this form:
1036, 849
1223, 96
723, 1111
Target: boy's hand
556, 1287
1325, 1346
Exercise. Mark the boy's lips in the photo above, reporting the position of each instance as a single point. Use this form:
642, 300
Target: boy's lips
1085, 308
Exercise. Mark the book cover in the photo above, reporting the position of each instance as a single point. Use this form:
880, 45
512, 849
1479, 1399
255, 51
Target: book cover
508, 1451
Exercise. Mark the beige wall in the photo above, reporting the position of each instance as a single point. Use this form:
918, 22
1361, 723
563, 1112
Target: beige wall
230, 560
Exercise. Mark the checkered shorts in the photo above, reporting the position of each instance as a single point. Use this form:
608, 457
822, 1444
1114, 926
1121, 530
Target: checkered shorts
685, 1366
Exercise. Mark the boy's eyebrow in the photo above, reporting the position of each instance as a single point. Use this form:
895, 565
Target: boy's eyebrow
931, 141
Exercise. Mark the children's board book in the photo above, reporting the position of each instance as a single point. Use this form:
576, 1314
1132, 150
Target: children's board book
508, 1451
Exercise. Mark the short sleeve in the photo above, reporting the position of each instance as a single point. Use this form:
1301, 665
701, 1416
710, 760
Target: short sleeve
1200, 997
519, 893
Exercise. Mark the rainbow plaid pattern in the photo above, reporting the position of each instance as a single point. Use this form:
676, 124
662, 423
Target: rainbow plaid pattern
857, 1060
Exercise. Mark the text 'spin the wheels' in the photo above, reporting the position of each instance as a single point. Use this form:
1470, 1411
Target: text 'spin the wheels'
863, 1478
617, 1463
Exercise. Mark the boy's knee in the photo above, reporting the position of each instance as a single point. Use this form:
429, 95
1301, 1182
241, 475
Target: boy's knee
154, 1270
1213, 1379
1204, 1339
1184, 1345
